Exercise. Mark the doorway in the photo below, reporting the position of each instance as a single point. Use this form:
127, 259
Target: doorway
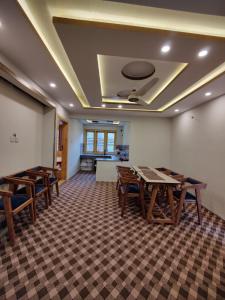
62, 149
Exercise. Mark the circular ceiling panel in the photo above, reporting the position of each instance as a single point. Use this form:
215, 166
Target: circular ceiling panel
138, 70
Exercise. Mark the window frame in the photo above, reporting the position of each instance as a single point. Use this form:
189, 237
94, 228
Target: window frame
105, 131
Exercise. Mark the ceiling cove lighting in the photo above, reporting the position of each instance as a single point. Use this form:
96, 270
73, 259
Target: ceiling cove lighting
52, 84
71, 105
203, 53
165, 49
208, 94
205, 79
103, 105
120, 106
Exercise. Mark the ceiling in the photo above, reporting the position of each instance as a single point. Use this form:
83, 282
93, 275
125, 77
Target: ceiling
215, 7
83, 45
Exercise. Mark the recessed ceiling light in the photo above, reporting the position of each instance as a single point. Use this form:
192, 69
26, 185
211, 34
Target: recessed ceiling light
71, 105
208, 94
0, 24
176, 110
103, 105
203, 53
120, 106
165, 49
52, 84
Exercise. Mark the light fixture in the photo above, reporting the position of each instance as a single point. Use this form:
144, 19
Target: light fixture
203, 53
165, 49
52, 84
207, 94
0, 24
89, 121
103, 105
71, 105
120, 106
176, 110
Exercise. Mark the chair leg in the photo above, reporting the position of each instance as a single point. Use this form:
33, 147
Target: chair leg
57, 188
35, 208
50, 195
46, 199
10, 225
181, 204
123, 204
199, 206
31, 210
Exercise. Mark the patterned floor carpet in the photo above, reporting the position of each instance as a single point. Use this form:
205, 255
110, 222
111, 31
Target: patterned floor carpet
81, 248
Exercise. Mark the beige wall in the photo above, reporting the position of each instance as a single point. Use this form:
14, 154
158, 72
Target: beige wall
149, 141
22, 115
198, 150
75, 140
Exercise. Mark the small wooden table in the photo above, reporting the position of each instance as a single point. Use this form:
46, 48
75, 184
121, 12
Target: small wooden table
156, 179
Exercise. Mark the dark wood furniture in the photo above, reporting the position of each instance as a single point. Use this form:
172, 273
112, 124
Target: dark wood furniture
39, 190
11, 203
156, 179
52, 178
128, 185
183, 195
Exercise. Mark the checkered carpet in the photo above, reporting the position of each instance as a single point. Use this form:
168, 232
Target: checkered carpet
80, 248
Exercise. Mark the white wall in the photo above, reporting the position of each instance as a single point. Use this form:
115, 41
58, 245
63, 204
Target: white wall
22, 115
48, 139
198, 150
150, 141
75, 140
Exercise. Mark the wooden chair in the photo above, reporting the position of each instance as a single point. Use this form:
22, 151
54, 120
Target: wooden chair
39, 189
52, 176
182, 195
128, 188
11, 204
122, 170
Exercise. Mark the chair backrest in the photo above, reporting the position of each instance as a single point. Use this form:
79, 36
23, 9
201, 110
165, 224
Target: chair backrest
196, 183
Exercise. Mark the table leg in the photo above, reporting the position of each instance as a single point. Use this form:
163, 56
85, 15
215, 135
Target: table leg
142, 197
170, 198
152, 202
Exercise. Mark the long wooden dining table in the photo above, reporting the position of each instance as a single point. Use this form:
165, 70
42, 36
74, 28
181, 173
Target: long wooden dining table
157, 180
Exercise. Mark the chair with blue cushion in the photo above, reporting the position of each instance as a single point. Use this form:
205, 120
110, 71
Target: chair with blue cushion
129, 187
40, 189
52, 179
11, 203
189, 191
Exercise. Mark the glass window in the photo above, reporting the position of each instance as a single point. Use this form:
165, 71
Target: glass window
100, 141
110, 142
90, 141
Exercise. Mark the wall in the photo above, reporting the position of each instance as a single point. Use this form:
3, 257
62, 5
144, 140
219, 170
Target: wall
75, 139
149, 140
22, 115
198, 150
48, 138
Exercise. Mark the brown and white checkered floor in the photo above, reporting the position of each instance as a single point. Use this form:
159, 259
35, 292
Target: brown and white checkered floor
81, 248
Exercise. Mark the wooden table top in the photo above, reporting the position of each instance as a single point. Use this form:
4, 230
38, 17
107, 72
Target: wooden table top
152, 175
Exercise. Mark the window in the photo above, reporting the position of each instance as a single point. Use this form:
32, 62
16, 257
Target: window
99, 141
90, 141
110, 142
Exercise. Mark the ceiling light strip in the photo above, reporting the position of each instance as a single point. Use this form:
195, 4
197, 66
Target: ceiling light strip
61, 59
171, 78
207, 78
